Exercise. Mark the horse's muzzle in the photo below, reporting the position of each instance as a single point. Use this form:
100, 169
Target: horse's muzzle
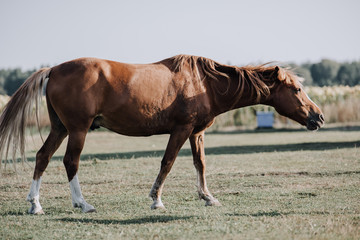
315, 121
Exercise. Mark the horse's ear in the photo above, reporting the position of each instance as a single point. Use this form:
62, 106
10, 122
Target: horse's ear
280, 73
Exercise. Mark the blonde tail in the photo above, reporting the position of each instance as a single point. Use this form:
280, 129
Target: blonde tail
17, 111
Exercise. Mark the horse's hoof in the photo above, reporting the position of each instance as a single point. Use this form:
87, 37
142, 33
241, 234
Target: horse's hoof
213, 202
36, 211
90, 210
41, 212
158, 205
87, 208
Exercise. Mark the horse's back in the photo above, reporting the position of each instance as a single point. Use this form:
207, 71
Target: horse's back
128, 98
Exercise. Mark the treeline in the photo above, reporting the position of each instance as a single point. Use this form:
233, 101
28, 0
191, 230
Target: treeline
11, 79
329, 73
324, 73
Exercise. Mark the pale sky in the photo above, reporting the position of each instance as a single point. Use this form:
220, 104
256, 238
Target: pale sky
49, 32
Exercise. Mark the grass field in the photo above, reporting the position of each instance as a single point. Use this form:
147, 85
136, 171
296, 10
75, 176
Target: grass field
272, 185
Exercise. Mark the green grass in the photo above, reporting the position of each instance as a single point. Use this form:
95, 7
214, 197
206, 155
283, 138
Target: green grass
272, 185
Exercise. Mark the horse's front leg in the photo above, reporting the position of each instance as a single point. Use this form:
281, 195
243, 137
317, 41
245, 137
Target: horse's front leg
197, 147
176, 141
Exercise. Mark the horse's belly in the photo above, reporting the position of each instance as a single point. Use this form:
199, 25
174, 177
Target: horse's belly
138, 124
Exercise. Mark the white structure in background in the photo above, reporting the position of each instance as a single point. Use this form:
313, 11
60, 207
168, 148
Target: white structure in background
265, 119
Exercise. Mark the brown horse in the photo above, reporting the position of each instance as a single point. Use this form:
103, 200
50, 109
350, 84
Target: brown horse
180, 96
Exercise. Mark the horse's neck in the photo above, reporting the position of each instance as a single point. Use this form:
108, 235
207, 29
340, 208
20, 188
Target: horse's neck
234, 98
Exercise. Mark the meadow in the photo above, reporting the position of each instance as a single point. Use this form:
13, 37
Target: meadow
283, 184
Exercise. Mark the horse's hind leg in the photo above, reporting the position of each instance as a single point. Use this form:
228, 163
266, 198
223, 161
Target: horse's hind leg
71, 162
43, 156
197, 147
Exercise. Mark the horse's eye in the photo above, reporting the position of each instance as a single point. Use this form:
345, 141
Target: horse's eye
297, 90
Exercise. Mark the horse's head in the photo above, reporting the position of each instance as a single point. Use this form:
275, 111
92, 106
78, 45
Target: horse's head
289, 99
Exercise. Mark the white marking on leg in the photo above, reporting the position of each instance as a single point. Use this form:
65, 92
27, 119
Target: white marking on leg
33, 197
77, 197
155, 195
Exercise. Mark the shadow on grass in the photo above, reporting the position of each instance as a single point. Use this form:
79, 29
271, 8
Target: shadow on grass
13, 213
149, 219
301, 173
275, 130
245, 149
276, 214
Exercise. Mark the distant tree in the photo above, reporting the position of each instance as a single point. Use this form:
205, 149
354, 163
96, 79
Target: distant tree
3, 75
2, 81
349, 74
325, 72
303, 71
15, 78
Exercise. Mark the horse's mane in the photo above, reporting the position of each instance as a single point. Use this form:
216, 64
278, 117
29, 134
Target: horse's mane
253, 76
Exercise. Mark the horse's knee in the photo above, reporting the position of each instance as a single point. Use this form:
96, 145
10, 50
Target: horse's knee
42, 157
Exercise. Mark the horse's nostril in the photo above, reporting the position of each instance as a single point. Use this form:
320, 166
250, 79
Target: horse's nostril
321, 117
